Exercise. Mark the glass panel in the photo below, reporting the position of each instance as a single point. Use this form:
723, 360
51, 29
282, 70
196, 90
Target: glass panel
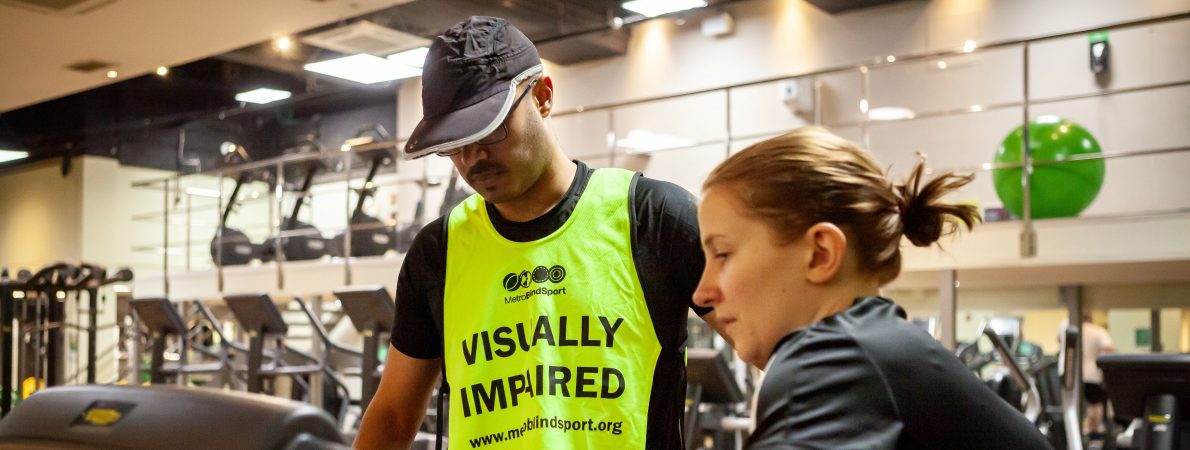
771, 108
583, 135
1115, 123
839, 95
686, 167
672, 123
960, 141
951, 83
1139, 56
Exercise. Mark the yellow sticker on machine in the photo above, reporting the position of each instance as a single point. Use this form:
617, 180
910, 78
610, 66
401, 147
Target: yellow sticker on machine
1158, 418
103, 413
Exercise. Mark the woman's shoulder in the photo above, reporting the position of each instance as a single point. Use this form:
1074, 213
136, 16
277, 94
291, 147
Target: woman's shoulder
870, 320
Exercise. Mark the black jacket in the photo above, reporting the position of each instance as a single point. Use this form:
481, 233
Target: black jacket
866, 378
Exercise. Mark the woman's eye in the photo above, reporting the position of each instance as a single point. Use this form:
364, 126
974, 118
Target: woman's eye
721, 255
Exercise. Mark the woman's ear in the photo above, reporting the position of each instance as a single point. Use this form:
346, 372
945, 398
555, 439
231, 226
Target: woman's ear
828, 247
543, 92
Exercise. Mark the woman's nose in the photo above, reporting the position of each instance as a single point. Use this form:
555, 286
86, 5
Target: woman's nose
707, 293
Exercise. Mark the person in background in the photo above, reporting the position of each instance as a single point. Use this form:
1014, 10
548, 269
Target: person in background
800, 232
1096, 341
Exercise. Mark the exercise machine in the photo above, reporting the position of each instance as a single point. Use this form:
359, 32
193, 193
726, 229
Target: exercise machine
371, 311
231, 247
38, 303
711, 391
157, 417
161, 318
1154, 388
369, 235
260, 319
298, 241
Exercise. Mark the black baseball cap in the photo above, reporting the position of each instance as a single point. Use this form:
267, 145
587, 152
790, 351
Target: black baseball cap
468, 83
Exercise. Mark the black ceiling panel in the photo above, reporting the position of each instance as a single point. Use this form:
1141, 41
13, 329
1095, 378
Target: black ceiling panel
141, 120
839, 6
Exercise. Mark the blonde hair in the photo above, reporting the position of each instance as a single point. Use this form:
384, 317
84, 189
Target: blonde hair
809, 176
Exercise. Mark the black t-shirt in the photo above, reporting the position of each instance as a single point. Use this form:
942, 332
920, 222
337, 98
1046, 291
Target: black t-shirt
866, 378
669, 262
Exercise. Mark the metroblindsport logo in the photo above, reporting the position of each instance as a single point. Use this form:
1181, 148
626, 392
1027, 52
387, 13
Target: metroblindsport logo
539, 275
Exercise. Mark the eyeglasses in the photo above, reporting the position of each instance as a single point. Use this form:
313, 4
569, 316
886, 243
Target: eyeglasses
501, 132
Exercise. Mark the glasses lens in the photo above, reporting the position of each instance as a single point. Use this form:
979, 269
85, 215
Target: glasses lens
495, 136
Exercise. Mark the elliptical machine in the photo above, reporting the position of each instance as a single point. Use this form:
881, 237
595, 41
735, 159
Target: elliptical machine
299, 240
231, 247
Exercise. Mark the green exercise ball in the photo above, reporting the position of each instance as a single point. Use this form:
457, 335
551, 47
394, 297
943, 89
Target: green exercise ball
1060, 189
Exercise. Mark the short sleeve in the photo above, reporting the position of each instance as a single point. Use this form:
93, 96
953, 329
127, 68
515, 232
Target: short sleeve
666, 228
422, 279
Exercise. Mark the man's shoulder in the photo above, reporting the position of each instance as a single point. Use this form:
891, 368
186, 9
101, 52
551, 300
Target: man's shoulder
430, 239
652, 187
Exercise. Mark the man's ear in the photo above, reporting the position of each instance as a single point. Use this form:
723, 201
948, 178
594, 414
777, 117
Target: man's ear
828, 247
543, 92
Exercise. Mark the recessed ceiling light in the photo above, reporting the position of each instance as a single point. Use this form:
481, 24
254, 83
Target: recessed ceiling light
261, 96
284, 43
12, 155
412, 58
203, 192
112, 74
162, 71
969, 46
654, 8
890, 113
363, 68
941, 64
640, 141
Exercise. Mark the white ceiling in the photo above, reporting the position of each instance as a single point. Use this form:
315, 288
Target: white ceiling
140, 35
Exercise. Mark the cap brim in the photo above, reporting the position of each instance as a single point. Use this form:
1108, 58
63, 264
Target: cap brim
459, 127
465, 125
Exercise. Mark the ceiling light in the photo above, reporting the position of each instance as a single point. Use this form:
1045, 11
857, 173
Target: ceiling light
363, 68
941, 64
355, 142
891, 58
969, 46
645, 141
654, 8
412, 58
283, 43
203, 192
975, 108
890, 113
162, 70
12, 155
112, 74
261, 96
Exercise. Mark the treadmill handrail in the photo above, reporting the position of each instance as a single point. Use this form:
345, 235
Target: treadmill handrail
216, 326
1023, 382
321, 330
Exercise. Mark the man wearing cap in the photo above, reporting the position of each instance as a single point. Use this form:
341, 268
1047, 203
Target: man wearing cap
555, 299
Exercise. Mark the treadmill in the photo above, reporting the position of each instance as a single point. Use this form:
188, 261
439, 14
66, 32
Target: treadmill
1154, 388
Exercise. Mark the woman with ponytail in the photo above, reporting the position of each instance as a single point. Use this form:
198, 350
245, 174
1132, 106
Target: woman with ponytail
800, 233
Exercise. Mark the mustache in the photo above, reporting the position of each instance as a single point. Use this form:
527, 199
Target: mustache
483, 167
